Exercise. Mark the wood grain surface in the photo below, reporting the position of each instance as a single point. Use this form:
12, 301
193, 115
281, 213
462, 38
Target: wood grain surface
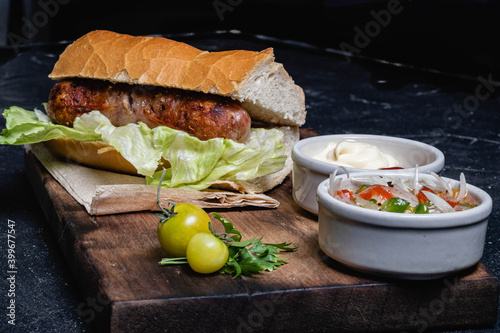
114, 260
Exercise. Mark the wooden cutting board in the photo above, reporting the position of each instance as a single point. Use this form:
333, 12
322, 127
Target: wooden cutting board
114, 261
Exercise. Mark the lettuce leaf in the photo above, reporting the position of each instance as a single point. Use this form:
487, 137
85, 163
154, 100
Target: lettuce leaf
193, 163
196, 164
23, 127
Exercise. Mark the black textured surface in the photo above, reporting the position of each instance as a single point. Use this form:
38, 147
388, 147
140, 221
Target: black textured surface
341, 96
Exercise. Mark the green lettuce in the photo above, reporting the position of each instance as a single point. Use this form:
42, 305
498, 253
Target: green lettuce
193, 163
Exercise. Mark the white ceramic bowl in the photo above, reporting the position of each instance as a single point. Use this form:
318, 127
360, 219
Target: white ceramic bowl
308, 172
407, 246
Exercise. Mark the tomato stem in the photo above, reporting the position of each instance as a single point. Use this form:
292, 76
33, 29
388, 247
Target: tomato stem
165, 214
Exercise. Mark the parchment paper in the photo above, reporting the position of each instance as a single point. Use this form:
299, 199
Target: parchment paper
103, 192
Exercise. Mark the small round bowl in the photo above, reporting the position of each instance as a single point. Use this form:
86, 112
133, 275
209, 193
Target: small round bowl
405, 246
308, 172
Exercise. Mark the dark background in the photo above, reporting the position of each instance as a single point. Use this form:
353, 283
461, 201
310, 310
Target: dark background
452, 36
401, 83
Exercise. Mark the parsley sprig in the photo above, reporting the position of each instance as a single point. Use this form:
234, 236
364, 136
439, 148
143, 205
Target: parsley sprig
250, 256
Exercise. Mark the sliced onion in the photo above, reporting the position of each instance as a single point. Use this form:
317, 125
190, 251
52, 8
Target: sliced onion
463, 188
366, 203
334, 185
443, 183
346, 199
440, 204
372, 180
403, 185
416, 185
331, 185
397, 191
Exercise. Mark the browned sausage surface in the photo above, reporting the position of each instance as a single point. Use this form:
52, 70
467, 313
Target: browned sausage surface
202, 115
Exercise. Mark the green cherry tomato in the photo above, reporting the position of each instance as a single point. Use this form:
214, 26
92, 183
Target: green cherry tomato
175, 233
206, 253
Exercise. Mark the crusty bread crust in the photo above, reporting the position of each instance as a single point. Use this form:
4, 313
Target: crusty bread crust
263, 86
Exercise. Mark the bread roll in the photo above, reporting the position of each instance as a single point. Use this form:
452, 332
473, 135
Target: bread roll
95, 154
263, 86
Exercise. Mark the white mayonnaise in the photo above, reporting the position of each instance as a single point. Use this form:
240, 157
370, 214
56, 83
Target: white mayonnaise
356, 155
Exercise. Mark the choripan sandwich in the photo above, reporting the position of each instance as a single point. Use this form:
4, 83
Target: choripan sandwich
138, 105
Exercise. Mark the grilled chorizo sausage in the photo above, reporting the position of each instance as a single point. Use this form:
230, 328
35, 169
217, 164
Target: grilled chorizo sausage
202, 115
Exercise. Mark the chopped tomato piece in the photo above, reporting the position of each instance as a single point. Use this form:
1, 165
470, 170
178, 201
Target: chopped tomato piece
377, 192
448, 199
452, 203
346, 193
421, 196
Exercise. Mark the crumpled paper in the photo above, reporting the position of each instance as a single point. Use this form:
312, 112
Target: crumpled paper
103, 192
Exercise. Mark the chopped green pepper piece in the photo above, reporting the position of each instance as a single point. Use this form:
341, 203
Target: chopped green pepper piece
395, 205
467, 205
362, 188
421, 209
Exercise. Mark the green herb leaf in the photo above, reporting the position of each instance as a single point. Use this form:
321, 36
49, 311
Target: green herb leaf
284, 246
253, 257
243, 243
231, 267
229, 229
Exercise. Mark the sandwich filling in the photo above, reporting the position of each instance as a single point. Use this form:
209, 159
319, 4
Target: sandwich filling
193, 163
204, 116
